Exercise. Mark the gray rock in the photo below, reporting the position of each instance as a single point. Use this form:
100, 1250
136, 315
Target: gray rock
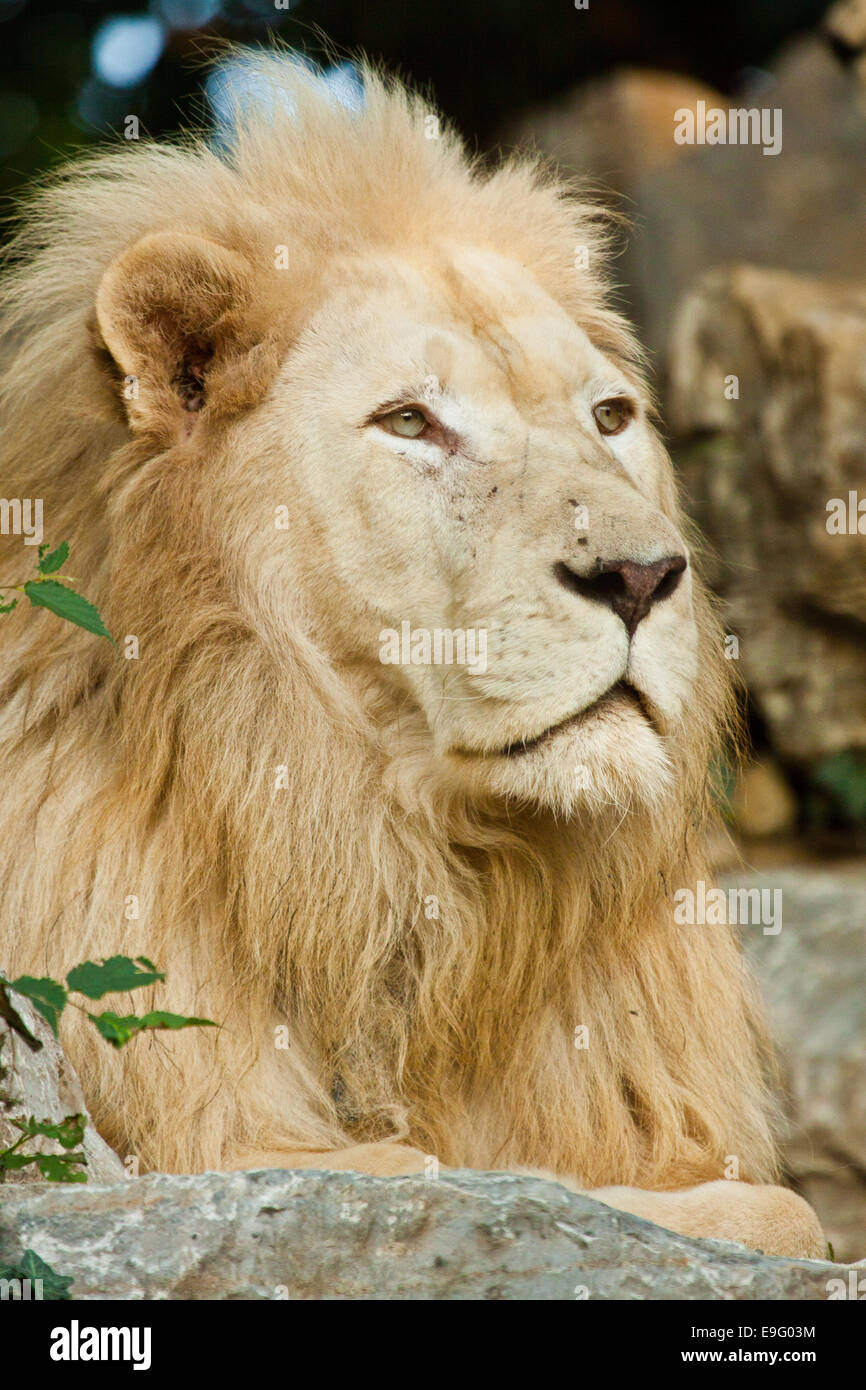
309, 1235
43, 1084
813, 978
760, 469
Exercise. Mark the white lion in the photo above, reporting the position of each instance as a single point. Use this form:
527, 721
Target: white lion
282, 401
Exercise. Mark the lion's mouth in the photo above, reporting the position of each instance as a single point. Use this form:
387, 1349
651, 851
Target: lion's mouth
616, 695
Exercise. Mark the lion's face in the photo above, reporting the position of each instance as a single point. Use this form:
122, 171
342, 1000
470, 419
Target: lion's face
481, 528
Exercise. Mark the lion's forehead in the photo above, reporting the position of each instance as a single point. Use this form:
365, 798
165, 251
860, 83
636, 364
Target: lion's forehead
470, 321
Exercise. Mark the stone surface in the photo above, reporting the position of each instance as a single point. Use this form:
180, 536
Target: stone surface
270, 1235
759, 470
813, 978
43, 1084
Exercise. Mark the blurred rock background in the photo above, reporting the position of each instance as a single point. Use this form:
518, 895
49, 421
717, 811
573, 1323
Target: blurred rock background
746, 274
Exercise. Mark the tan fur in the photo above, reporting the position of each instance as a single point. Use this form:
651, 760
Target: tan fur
412, 1034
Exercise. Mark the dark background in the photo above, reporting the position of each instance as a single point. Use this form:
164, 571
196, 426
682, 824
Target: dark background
483, 58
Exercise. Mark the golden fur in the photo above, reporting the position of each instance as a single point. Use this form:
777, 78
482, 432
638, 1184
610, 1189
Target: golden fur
309, 907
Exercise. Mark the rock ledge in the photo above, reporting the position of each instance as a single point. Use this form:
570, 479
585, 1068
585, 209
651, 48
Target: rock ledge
311, 1235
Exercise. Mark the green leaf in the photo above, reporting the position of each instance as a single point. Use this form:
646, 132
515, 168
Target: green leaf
49, 563
118, 1030
7, 607
55, 1287
66, 603
12, 1162
53, 1167
46, 994
159, 1019
58, 1167
68, 1131
112, 975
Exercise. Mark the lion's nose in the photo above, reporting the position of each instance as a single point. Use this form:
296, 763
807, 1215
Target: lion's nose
629, 588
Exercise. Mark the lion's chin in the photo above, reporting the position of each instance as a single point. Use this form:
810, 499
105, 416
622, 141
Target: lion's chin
611, 754
621, 698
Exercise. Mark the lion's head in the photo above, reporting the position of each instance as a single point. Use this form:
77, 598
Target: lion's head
480, 527
413, 741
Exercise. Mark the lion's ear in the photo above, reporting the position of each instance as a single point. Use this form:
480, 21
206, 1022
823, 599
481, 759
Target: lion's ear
170, 312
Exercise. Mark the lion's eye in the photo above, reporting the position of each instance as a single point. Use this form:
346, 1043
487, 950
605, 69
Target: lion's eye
612, 416
408, 421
